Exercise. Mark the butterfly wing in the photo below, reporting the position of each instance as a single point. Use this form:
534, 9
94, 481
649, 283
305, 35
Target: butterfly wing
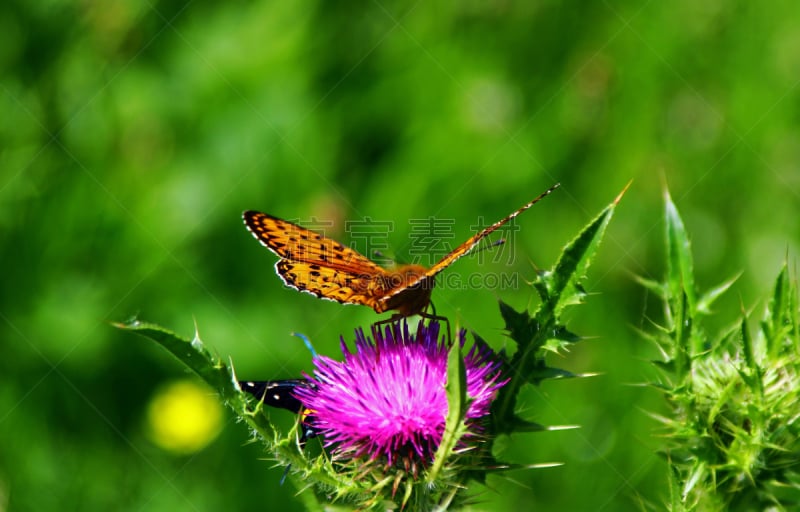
293, 242
343, 286
466, 247
316, 264
275, 393
280, 394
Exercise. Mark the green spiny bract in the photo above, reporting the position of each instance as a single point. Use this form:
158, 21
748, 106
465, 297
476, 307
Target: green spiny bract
733, 435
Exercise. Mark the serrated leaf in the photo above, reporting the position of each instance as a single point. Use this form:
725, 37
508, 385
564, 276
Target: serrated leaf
220, 377
558, 289
780, 320
747, 345
753, 377
564, 284
192, 353
780, 295
680, 271
521, 327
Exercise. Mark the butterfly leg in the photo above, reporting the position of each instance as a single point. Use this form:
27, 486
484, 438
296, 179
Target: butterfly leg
387, 321
424, 315
396, 322
434, 317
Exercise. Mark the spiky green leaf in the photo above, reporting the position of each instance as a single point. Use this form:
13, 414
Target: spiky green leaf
780, 324
193, 354
220, 377
542, 332
734, 443
564, 282
680, 271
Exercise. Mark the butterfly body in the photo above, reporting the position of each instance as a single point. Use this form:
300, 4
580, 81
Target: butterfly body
327, 269
410, 291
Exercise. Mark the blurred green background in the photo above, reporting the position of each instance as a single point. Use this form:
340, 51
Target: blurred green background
134, 133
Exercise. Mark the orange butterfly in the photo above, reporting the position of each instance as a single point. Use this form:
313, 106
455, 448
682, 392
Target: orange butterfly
327, 269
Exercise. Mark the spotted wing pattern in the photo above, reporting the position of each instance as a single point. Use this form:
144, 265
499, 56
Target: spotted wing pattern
343, 286
280, 394
318, 265
276, 393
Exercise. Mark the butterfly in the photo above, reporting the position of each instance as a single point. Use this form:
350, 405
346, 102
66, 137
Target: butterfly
313, 263
280, 394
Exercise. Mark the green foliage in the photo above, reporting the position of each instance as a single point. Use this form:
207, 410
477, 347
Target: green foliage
544, 331
134, 133
194, 355
733, 435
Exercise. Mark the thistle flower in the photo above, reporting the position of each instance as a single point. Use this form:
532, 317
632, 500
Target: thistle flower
388, 397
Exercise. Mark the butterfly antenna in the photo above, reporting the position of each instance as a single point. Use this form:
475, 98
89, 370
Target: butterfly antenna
307, 343
492, 245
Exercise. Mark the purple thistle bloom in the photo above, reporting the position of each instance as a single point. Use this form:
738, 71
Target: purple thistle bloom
388, 398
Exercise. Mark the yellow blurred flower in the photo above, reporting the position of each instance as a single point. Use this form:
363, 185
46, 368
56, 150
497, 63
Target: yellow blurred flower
183, 417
